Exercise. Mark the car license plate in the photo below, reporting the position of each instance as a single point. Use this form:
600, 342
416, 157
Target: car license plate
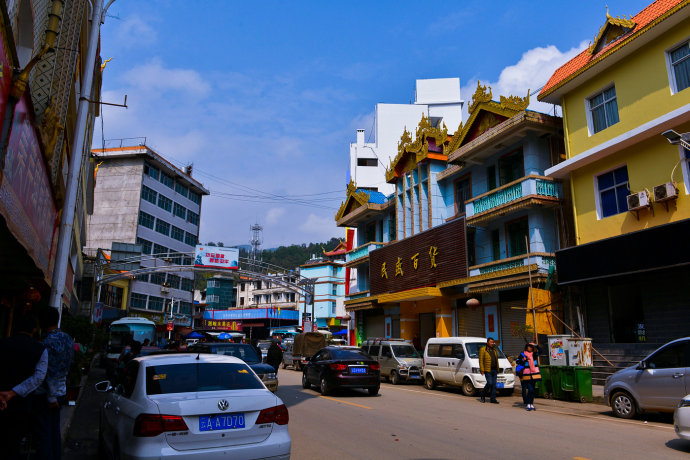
221, 422
358, 370
499, 385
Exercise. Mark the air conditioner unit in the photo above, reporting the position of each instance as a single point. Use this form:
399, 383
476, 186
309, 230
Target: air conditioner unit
638, 200
665, 192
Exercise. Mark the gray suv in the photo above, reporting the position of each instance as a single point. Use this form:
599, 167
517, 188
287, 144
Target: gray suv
657, 383
399, 360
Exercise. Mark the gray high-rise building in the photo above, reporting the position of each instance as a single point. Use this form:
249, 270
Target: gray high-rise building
142, 198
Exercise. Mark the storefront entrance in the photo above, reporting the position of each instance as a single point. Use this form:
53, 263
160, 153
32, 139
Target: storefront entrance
427, 327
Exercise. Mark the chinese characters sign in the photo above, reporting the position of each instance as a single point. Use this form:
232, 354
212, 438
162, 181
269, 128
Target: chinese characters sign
222, 325
217, 257
424, 259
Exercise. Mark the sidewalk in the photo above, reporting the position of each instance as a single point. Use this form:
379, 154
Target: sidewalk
80, 423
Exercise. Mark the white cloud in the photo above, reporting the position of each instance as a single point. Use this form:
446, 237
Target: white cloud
134, 31
274, 215
531, 73
153, 76
320, 228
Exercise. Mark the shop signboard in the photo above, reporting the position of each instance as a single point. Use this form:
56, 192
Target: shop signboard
26, 199
97, 312
222, 325
217, 257
422, 260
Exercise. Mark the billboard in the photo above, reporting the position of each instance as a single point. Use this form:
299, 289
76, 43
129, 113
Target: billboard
425, 259
217, 257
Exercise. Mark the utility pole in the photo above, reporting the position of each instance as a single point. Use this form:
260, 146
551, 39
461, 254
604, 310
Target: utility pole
62, 255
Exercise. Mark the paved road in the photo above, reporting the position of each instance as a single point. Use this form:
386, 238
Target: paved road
410, 422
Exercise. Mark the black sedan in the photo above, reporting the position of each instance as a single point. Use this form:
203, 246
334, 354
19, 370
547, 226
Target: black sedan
246, 353
334, 367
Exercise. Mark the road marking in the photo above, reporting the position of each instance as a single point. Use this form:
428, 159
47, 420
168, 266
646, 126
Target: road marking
346, 402
581, 458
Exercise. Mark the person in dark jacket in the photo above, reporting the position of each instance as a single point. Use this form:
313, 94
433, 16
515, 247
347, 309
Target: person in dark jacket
274, 356
527, 366
23, 367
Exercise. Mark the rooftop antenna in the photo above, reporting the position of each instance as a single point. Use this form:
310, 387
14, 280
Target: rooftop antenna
255, 241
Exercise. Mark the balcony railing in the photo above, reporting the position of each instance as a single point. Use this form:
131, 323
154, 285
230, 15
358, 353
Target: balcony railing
530, 186
362, 251
543, 261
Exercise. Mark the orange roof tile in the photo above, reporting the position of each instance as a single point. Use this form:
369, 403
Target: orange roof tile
643, 20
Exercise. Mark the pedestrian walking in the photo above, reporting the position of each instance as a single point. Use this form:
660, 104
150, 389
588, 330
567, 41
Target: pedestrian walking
488, 366
527, 368
23, 366
274, 356
50, 396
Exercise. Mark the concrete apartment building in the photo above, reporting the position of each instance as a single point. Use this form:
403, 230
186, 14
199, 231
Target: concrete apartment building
142, 198
438, 99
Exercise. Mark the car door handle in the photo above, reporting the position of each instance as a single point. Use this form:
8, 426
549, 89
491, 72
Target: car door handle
677, 376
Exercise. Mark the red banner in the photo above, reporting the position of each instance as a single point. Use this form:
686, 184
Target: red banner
222, 325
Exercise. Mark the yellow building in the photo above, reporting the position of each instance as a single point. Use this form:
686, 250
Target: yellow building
629, 184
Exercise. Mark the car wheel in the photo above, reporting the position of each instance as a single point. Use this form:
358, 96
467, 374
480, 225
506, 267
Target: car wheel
623, 405
467, 388
305, 381
395, 378
373, 391
325, 389
429, 382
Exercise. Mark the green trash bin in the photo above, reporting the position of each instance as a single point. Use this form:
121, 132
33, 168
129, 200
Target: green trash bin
543, 386
572, 383
583, 384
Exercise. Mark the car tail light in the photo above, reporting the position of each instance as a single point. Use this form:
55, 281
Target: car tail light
147, 425
375, 367
338, 367
278, 415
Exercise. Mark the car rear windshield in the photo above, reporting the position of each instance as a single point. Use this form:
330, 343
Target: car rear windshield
245, 352
193, 377
349, 354
404, 351
474, 347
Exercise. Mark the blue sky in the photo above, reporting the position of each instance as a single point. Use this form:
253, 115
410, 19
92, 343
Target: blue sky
265, 97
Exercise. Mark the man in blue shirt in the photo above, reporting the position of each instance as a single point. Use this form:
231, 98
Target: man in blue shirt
23, 366
51, 394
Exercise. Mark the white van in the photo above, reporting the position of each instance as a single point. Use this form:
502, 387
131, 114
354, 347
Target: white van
455, 361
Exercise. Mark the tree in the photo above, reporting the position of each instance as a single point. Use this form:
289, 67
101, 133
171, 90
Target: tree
210, 243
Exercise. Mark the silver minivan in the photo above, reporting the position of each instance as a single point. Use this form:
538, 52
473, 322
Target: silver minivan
657, 383
399, 360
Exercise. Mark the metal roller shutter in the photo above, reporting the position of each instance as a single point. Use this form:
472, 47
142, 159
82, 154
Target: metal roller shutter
510, 344
470, 322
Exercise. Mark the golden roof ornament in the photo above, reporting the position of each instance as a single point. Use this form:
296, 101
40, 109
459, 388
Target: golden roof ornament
480, 95
613, 28
515, 102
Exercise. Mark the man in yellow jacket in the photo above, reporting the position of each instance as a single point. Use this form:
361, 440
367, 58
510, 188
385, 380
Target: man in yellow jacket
488, 366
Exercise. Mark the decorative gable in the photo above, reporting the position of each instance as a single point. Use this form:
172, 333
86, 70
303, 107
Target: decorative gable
612, 30
429, 140
486, 113
355, 199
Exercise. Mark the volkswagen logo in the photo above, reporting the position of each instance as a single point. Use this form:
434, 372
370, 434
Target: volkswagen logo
223, 404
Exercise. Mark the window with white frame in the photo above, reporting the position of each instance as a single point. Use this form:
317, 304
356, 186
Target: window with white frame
613, 191
602, 110
679, 66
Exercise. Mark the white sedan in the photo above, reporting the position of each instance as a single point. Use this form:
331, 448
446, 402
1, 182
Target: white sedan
191, 406
681, 418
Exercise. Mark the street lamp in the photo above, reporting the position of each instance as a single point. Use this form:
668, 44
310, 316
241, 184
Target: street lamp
677, 139
674, 138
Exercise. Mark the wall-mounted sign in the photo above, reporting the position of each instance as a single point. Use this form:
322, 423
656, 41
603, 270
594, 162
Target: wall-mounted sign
222, 325
217, 257
421, 260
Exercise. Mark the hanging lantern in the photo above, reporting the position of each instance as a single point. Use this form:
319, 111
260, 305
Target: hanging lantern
472, 302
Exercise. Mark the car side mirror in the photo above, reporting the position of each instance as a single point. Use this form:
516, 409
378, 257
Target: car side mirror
104, 386
642, 366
